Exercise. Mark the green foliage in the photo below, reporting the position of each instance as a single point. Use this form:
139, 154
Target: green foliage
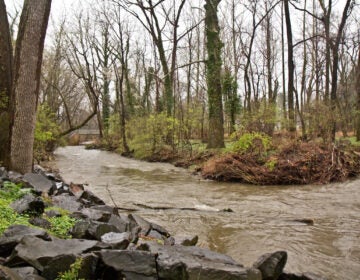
271, 164
60, 226
9, 193
251, 142
46, 130
232, 100
73, 272
148, 136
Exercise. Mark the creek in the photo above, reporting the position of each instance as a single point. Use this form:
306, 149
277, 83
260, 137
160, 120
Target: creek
264, 218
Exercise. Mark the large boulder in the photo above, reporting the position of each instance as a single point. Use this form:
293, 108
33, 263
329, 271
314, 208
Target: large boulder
271, 265
9, 274
91, 199
139, 264
57, 265
66, 202
180, 262
13, 235
121, 224
39, 183
29, 204
38, 253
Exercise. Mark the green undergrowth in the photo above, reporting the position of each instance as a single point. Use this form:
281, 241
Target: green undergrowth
73, 272
9, 192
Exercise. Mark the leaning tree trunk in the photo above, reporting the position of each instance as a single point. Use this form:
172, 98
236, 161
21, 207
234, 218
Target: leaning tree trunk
5, 84
213, 77
27, 70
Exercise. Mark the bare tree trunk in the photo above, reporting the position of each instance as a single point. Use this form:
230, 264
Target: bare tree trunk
5, 84
292, 124
27, 69
213, 63
358, 98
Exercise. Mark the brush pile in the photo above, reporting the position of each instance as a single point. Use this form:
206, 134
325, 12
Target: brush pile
292, 164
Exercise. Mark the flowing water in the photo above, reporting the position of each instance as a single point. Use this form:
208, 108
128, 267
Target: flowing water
264, 218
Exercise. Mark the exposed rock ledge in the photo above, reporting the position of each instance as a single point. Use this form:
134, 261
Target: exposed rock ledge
113, 245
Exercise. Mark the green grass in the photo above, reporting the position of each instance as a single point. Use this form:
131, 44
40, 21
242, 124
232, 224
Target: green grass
9, 192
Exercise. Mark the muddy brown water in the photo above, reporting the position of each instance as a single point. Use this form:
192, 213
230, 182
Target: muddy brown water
264, 218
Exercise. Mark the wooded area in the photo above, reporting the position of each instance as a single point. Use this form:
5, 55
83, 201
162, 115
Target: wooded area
158, 78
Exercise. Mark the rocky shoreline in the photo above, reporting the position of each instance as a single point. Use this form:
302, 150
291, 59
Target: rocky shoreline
110, 244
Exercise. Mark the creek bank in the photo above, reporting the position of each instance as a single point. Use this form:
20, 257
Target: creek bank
113, 245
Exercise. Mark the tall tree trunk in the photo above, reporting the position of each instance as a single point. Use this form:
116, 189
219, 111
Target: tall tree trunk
335, 64
291, 68
213, 76
357, 87
27, 70
5, 84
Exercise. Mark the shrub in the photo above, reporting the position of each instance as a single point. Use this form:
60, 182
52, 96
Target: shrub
73, 272
253, 142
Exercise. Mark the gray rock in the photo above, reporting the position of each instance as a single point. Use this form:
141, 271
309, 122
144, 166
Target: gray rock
52, 213
14, 176
94, 200
106, 208
66, 202
56, 265
125, 261
180, 262
271, 265
186, 240
9, 274
121, 224
39, 183
29, 204
88, 266
116, 240
97, 229
13, 235
34, 277
3, 173
40, 222
137, 221
38, 253
160, 230
25, 271
80, 230
97, 215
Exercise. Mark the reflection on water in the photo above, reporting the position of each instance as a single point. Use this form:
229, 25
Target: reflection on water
263, 219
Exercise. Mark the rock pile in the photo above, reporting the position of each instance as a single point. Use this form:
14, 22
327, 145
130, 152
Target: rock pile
111, 245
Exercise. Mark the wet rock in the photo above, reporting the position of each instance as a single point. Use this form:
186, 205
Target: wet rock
92, 198
156, 235
116, 240
97, 230
121, 224
180, 262
138, 263
39, 183
13, 235
186, 240
271, 265
40, 222
137, 221
66, 202
305, 276
9, 274
56, 265
38, 253
29, 204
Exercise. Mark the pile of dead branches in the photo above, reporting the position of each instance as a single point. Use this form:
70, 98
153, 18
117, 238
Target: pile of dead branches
296, 163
